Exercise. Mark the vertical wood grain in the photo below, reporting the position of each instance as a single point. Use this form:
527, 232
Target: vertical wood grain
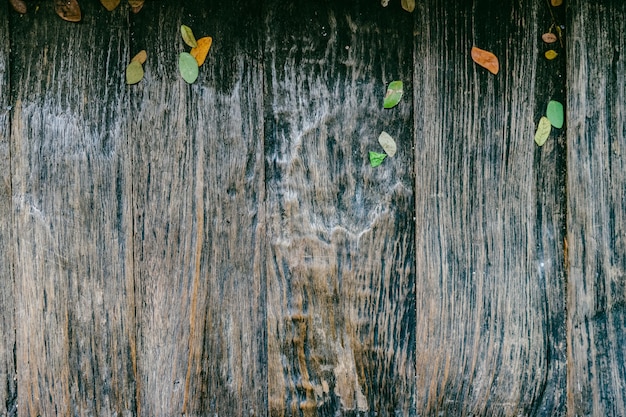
70, 172
596, 208
341, 306
199, 198
489, 215
8, 381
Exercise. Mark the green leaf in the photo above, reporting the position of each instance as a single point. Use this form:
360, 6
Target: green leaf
377, 158
188, 36
134, 72
188, 67
388, 144
394, 94
543, 131
409, 6
554, 113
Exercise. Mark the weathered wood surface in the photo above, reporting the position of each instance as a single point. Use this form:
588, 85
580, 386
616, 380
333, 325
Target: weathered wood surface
198, 201
8, 382
341, 306
489, 214
70, 183
596, 318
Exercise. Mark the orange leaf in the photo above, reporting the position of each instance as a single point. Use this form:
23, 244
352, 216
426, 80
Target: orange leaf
140, 57
485, 59
556, 3
200, 52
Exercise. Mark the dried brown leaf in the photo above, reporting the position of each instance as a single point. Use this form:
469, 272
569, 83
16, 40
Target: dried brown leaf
110, 5
68, 10
18, 5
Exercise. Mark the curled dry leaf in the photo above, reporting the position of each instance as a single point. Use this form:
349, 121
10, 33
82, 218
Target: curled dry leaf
486, 59
200, 52
550, 54
188, 37
68, 10
409, 6
549, 37
18, 5
543, 131
110, 5
140, 57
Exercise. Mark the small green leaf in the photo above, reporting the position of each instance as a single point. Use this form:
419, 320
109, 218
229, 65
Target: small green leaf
188, 67
377, 158
409, 6
543, 131
393, 95
134, 72
554, 113
188, 37
388, 144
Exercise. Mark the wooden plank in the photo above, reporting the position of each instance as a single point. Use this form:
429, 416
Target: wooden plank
489, 214
73, 272
596, 302
199, 216
8, 377
341, 306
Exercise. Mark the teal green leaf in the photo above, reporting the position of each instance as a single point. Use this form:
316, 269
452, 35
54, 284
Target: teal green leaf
377, 158
188, 37
554, 113
393, 95
188, 67
543, 131
134, 73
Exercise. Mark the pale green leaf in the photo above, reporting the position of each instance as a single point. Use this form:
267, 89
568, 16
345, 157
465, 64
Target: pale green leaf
134, 72
188, 67
554, 113
376, 158
188, 37
543, 131
393, 95
388, 144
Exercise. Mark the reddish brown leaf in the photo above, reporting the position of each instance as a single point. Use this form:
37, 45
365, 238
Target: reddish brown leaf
18, 5
549, 37
486, 59
68, 10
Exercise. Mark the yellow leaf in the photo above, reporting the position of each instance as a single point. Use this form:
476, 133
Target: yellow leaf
556, 3
200, 52
550, 54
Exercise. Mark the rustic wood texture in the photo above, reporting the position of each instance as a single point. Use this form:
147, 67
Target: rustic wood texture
198, 195
8, 381
73, 268
596, 129
489, 214
341, 306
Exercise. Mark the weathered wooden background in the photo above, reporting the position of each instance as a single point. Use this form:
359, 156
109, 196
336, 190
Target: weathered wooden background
225, 249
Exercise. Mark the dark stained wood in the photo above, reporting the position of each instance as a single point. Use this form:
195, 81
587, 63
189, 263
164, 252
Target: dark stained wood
341, 306
489, 214
70, 171
596, 136
8, 381
199, 214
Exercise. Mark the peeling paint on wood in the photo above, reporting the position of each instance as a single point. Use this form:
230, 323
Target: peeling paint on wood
596, 121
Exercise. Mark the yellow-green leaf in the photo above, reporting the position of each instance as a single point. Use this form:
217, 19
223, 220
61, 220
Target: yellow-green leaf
543, 131
188, 37
409, 6
393, 95
134, 72
188, 67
